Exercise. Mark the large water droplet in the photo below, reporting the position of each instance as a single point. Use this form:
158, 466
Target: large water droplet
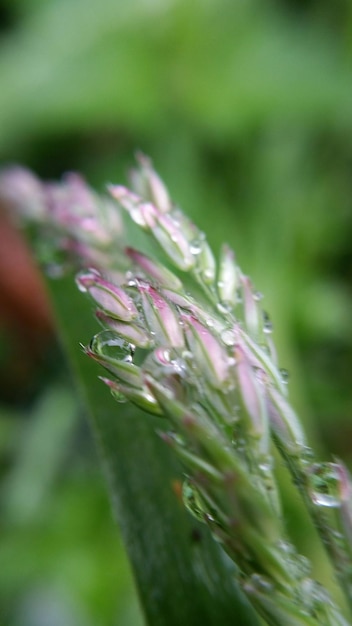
108, 343
324, 480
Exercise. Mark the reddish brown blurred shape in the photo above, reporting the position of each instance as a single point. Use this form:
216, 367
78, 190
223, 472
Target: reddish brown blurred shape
25, 317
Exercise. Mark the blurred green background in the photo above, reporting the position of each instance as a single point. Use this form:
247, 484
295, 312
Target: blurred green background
245, 107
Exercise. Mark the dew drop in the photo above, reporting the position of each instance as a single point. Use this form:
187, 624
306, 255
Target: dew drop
119, 397
324, 480
303, 566
83, 274
307, 454
81, 287
55, 271
208, 274
224, 307
179, 367
239, 297
228, 336
285, 375
192, 501
260, 583
321, 499
137, 216
267, 324
196, 246
163, 355
286, 547
265, 467
107, 343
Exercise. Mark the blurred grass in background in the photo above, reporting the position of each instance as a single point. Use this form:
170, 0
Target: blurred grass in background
246, 109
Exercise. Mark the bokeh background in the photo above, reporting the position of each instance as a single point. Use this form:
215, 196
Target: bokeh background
245, 107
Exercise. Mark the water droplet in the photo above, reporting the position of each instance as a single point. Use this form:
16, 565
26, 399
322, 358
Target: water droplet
137, 216
142, 284
196, 246
315, 595
324, 482
224, 307
55, 270
240, 444
285, 375
303, 566
83, 274
267, 324
260, 583
239, 296
286, 547
192, 501
208, 274
258, 296
107, 343
307, 454
265, 467
163, 355
180, 367
81, 287
228, 336
119, 397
